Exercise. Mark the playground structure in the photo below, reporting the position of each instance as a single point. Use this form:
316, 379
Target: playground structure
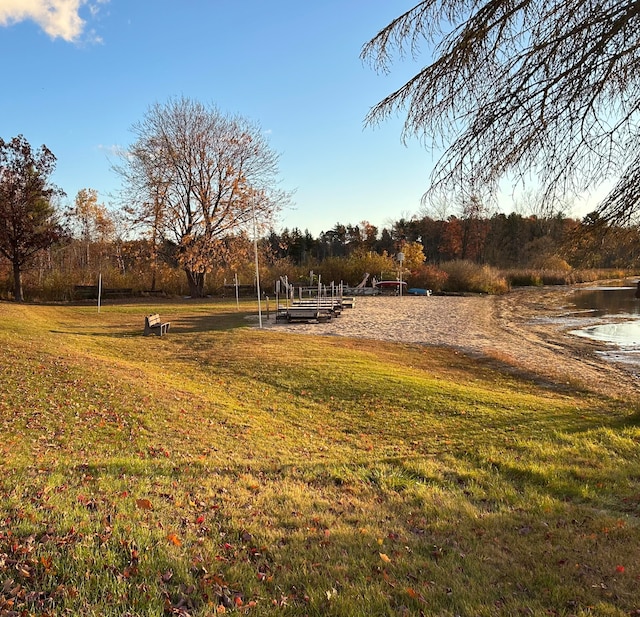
361, 288
388, 286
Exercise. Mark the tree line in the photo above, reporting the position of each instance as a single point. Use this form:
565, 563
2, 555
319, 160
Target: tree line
87, 239
500, 240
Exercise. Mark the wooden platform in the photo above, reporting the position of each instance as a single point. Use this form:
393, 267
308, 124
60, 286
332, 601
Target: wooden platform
309, 314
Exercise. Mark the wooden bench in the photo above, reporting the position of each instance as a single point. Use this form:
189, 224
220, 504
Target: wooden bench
153, 325
85, 292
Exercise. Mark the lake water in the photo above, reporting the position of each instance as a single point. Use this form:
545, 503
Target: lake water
614, 313
610, 300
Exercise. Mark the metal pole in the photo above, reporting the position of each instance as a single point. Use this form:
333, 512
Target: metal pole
235, 276
255, 250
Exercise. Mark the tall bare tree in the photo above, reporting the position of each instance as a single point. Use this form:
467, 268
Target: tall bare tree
28, 222
197, 175
515, 86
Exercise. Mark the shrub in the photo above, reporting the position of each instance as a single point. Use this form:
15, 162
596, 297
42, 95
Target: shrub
468, 276
552, 263
555, 277
351, 269
428, 277
560, 276
523, 278
591, 275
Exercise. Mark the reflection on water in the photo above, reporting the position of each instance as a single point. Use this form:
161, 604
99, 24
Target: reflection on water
600, 301
620, 303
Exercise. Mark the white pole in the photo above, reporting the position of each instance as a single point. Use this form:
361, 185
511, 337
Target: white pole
235, 276
255, 250
99, 290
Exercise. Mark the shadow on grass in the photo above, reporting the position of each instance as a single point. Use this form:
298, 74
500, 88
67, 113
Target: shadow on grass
222, 322
208, 323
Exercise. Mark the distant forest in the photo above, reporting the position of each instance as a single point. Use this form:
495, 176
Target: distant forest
502, 241
504, 245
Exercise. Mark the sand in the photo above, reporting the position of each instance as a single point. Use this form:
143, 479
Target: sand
525, 331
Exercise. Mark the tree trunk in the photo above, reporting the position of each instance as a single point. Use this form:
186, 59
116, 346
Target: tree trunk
17, 283
196, 283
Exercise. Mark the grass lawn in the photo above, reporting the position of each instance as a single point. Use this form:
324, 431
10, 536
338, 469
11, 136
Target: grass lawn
223, 469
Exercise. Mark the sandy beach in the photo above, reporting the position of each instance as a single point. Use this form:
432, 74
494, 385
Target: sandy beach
526, 331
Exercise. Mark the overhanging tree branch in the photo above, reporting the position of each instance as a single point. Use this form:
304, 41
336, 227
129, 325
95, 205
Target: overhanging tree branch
519, 86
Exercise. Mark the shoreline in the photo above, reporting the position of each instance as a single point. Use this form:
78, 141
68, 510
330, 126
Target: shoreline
525, 332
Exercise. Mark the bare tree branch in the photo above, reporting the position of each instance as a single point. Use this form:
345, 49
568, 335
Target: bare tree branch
517, 87
198, 175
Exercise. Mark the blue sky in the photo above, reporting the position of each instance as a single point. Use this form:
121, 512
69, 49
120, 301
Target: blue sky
77, 76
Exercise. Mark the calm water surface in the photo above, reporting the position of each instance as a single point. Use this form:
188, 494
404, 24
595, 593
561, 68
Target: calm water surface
603, 301
617, 303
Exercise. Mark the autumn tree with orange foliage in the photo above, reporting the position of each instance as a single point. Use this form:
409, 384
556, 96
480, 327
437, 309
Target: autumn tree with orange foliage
92, 220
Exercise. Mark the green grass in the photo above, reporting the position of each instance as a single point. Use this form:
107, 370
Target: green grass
227, 469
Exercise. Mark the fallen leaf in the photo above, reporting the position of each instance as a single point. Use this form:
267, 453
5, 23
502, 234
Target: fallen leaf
384, 557
415, 595
388, 579
173, 538
144, 504
167, 576
47, 562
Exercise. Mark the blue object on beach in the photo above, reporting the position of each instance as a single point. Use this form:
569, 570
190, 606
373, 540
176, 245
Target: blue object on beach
417, 291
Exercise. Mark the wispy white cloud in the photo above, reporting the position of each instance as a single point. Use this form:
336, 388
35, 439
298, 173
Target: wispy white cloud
94, 37
112, 150
58, 18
